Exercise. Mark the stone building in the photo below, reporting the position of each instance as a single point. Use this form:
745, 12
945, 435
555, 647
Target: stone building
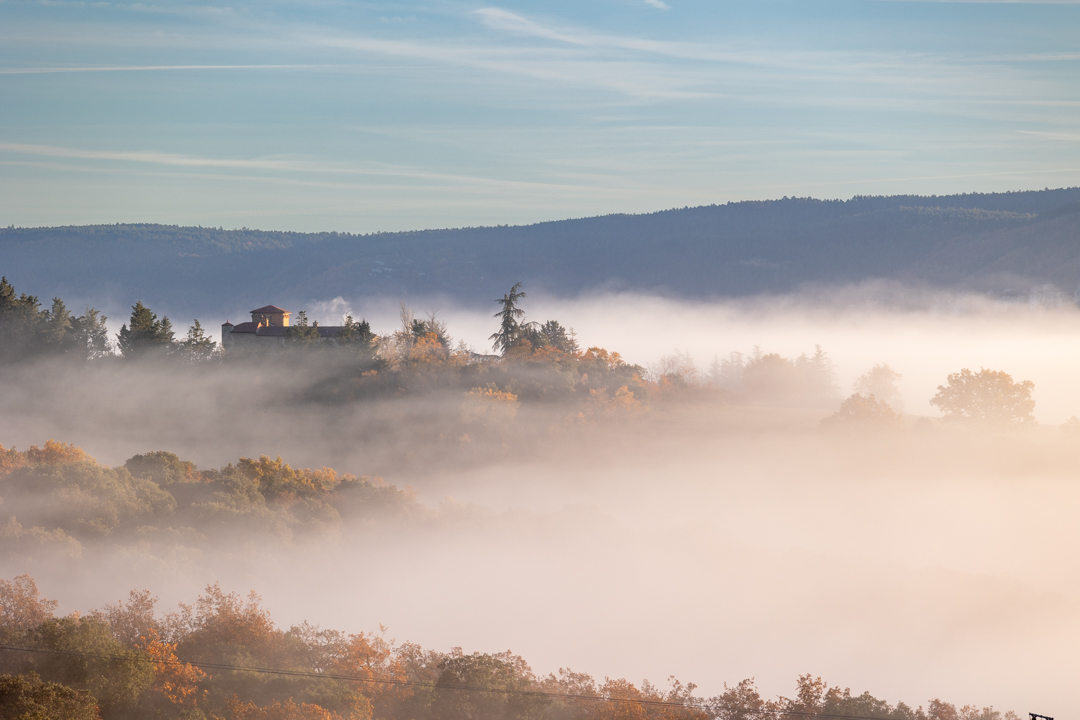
266, 330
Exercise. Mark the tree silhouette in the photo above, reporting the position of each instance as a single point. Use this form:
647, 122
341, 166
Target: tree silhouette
145, 332
988, 397
510, 325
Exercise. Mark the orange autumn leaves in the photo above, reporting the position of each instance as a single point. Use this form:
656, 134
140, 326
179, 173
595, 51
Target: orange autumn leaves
176, 681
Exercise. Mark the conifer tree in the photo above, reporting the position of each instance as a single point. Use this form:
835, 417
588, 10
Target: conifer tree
145, 333
510, 325
197, 346
91, 337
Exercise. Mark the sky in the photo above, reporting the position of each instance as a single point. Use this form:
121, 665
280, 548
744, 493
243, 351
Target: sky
368, 116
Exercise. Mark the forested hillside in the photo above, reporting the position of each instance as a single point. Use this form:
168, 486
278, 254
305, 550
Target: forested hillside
1005, 244
224, 658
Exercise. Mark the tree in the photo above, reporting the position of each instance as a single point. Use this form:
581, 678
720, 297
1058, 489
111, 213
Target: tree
175, 682
87, 657
130, 622
197, 347
510, 325
29, 331
20, 607
56, 335
145, 333
728, 373
91, 337
988, 397
21, 322
742, 702
164, 468
501, 671
880, 381
862, 411
357, 336
303, 332
771, 376
27, 697
278, 710
434, 325
818, 374
676, 368
550, 334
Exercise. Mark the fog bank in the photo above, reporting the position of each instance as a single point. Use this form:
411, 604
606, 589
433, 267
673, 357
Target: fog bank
705, 538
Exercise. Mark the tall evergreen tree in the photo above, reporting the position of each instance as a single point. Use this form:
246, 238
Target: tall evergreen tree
22, 323
357, 336
510, 317
91, 337
302, 332
56, 332
145, 333
197, 346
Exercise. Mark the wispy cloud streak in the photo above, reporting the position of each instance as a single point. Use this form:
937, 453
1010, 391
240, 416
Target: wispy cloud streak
282, 166
150, 68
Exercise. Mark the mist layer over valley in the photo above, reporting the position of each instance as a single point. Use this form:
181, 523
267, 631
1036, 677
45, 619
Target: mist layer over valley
677, 510
632, 360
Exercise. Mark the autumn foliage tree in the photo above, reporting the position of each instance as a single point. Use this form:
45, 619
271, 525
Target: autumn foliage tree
21, 608
988, 397
255, 670
176, 682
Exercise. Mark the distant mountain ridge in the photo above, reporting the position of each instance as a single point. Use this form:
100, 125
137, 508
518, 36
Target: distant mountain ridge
999, 243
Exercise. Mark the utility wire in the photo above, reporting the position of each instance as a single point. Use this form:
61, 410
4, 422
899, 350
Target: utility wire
421, 684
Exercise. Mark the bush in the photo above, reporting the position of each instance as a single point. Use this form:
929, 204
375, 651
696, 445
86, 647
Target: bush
28, 697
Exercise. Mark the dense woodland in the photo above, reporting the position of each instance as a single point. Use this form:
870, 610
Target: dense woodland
222, 656
1008, 244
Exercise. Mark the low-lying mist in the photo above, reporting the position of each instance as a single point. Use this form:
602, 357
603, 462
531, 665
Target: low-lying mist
923, 333
703, 534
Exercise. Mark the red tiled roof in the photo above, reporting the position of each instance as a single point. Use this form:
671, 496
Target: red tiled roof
271, 310
245, 327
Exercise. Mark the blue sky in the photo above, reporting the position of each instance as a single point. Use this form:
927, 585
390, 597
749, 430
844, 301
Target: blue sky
367, 116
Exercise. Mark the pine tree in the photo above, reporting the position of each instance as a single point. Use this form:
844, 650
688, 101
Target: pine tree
303, 332
510, 325
56, 332
91, 337
197, 347
146, 333
22, 323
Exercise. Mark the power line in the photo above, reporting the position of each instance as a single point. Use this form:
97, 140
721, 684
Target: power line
353, 678
430, 685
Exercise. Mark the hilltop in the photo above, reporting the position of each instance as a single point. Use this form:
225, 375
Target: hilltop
1005, 243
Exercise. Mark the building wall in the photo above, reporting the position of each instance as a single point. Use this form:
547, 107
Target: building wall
251, 341
275, 319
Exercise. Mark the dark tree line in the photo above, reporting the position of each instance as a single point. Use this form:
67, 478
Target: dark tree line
28, 330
